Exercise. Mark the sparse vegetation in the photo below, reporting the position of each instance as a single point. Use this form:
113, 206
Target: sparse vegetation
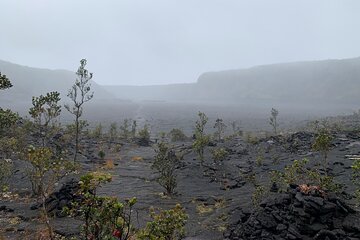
299, 173
35, 150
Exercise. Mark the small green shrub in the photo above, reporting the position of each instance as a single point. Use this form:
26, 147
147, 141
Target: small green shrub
45, 172
44, 111
201, 140
356, 179
165, 163
323, 145
125, 129
101, 154
165, 225
144, 136
177, 135
259, 159
219, 154
258, 195
6, 170
7, 120
220, 129
104, 217
297, 173
97, 133
8, 146
113, 133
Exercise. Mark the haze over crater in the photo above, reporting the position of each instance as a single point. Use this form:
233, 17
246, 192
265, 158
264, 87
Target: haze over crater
140, 42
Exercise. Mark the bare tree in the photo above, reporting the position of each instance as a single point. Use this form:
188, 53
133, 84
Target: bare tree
79, 94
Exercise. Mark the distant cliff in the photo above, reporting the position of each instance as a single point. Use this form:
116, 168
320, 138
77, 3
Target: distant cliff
328, 81
28, 82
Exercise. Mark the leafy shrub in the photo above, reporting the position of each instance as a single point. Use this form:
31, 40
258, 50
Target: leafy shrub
113, 133
8, 145
236, 128
98, 131
299, 174
296, 173
177, 135
125, 129
7, 119
4, 82
356, 179
104, 217
144, 136
165, 225
165, 164
44, 111
220, 128
44, 173
219, 154
45, 168
101, 154
251, 138
259, 159
6, 168
322, 144
258, 195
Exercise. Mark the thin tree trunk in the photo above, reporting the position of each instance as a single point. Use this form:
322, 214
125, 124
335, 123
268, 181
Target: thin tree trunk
76, 137
47, 221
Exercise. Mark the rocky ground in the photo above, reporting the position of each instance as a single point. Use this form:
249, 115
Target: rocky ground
217, 196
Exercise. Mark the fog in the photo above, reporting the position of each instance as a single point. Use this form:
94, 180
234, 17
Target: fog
166, 60
141, 42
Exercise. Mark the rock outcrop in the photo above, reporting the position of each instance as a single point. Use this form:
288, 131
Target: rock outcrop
66, 195
297, 215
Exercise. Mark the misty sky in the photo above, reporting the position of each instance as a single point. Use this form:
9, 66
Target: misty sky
141, 42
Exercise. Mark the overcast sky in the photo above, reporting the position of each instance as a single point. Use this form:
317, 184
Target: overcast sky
141, 42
